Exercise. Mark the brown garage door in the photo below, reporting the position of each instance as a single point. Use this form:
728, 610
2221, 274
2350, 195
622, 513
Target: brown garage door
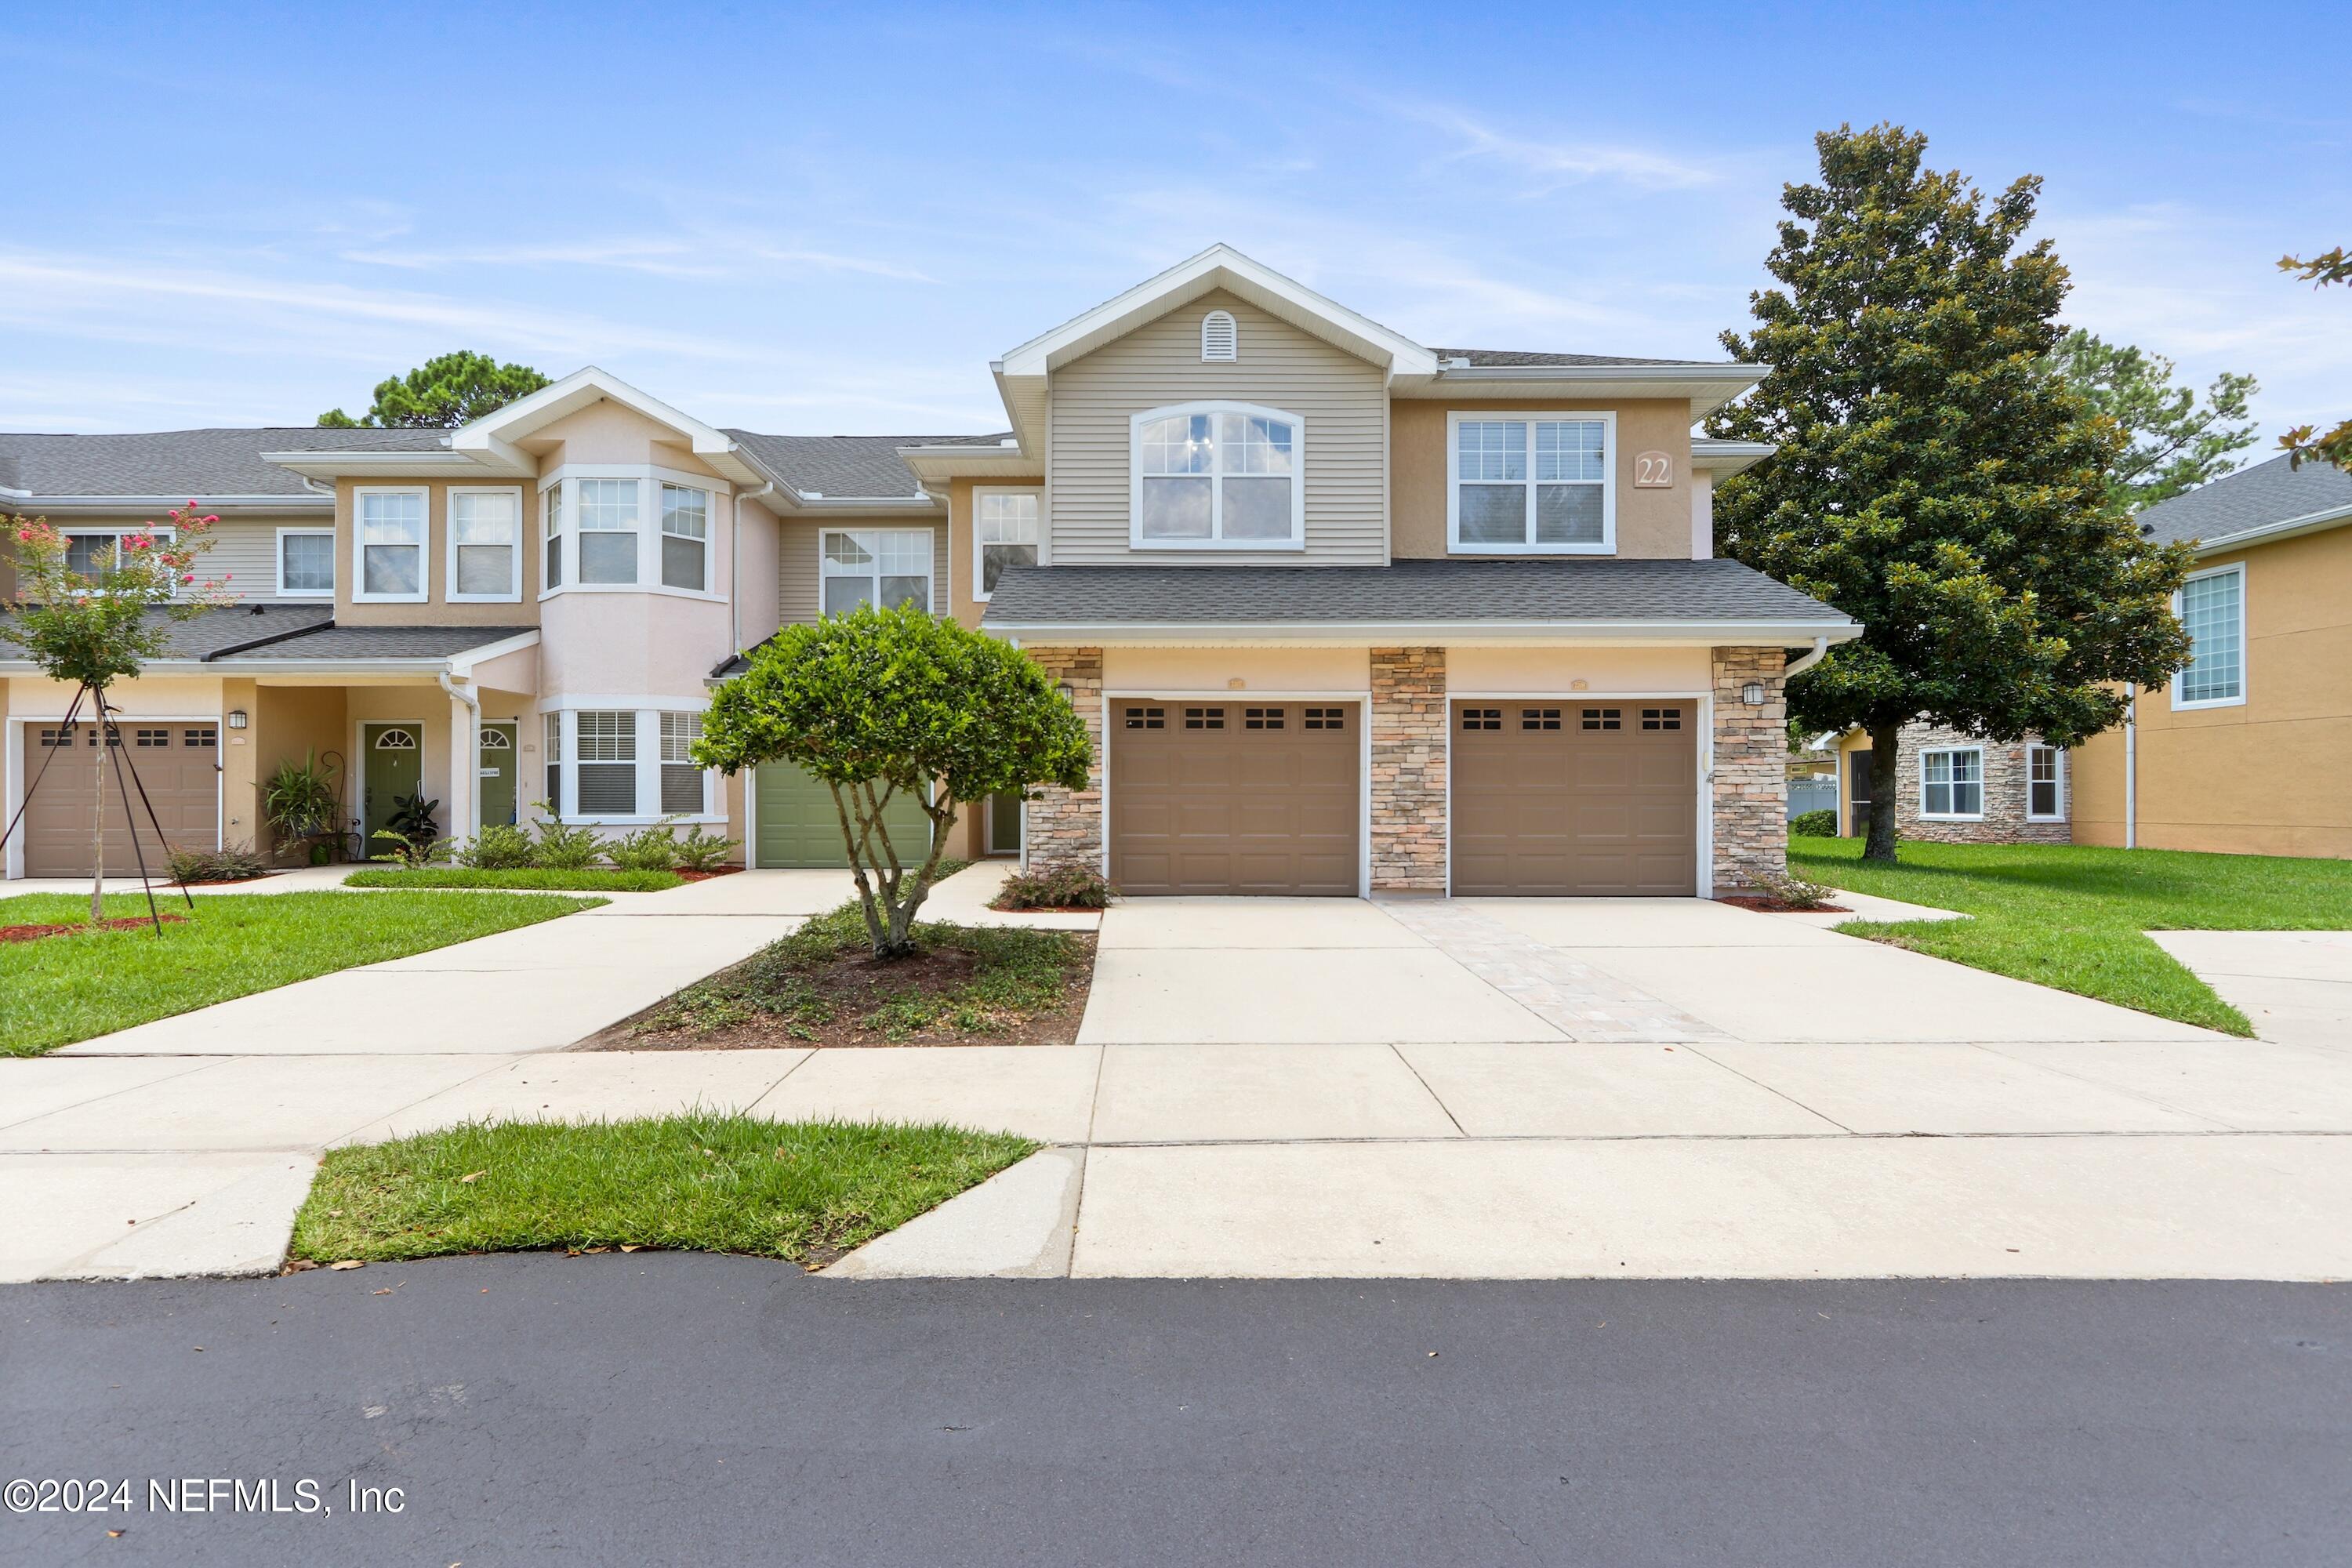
175, 761
1575, 798
1233, 797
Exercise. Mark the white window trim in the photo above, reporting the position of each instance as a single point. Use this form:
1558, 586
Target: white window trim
118, 532
1135, 476
1607, 418
980, 595
278, 551
1926, 816
648, 765
2031, 815
449, 533
360, 595
709, 540
930, 570
2245, 644
650, 478
1233, 338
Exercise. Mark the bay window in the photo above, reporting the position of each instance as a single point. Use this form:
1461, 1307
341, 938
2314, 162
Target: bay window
551, 544
885, 567
1004, 530
554, 741
306, 562
605, 747
681, 780
484, 544
607, 530
1217, 476
1951, 781
388, 537
1531, 483
2213, 610
623, 765
685, 538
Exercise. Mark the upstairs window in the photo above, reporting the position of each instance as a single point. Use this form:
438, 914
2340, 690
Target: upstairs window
882, 566
686, 538
551, 546
389, 537
93, 555
1214, 475
1531, 484
2213, 609
1005, 534
607, 530
484, 544
306, 562
1220, 339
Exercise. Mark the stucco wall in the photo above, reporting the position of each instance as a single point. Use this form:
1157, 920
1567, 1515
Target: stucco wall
1652, 523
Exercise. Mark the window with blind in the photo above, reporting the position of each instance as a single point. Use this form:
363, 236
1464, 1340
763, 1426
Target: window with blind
685, 538
681, 781
484, 544
604, 746
606, 529
1531, 484
554, 742
388, 535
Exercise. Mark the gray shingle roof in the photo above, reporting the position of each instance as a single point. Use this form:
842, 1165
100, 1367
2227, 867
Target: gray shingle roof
183, 462
2268, 492
1407, 591
304, 632
385, 642
1517, 357
849, 465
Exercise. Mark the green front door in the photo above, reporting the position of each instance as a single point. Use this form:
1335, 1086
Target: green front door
498, 774
395, 767
799, 825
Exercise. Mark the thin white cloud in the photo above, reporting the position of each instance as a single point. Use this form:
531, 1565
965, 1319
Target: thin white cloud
1552, 164
656, 258
828, 261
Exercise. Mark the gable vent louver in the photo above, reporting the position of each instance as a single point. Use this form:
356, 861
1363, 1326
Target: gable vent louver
1220, 339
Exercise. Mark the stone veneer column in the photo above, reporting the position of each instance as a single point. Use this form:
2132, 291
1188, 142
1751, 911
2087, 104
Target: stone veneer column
1751, 768
1408, 732
1064, 827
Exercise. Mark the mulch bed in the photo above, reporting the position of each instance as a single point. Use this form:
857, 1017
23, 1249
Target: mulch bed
1046, 909
1763, 905
34, 934
854, 983
705, 876
224, 882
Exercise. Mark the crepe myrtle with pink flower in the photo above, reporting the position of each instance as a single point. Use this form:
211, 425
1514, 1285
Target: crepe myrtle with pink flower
92, 628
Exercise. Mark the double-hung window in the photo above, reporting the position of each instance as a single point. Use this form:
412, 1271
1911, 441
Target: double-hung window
484, 544
1531, 483
685, 538
554, 740
1005, 526
389, 538
606, 529
1951, 781
681, 781
1218, 476
306, 562
886, 567
551, 541
93, 555
2213, 607
2046, 784
604, 746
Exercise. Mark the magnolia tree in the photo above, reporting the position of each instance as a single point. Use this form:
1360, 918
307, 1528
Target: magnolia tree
94, 624
885, 703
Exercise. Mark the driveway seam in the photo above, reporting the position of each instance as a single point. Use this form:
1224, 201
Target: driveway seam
1398, 1051
1770, 1089
2154, 1100
110, 1094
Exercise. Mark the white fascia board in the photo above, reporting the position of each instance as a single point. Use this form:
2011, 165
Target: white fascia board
937, 464
1656, 634
1725, 459
494, 432
1708, 387
2285, 527
251, 506
483, 464
461, 665
1219, 266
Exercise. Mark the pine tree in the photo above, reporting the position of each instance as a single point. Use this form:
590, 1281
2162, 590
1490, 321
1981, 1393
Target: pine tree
1932, 479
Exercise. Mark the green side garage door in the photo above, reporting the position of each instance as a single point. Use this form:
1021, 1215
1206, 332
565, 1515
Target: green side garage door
797, 823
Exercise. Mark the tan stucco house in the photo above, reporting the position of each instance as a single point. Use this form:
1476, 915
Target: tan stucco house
1344, 613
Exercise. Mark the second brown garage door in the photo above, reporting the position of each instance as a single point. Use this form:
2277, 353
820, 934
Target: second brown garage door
1575, 799
1232, 797
176, 762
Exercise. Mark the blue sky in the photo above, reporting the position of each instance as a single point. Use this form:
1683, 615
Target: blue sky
814, 220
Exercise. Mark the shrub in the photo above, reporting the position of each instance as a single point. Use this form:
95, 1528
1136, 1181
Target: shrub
561, 848
700, 851
412, 853
499, 847
231, 863
653, 849
1797, 892
1062, 888
1820, 824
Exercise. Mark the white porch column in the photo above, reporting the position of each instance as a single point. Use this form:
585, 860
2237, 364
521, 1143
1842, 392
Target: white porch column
462, 810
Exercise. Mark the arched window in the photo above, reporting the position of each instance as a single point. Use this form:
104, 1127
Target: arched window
395, 741
1220, 339
1217, 476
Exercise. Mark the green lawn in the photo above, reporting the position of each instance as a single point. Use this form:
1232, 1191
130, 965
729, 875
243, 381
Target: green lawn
806, 1191
588, 879
61, 989
2074, 917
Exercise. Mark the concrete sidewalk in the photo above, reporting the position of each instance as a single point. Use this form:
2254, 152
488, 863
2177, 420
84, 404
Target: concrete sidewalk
2292, 985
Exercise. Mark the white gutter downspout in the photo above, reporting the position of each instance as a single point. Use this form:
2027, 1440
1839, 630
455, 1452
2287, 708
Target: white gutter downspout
471, 756
1820, 651
2131, 772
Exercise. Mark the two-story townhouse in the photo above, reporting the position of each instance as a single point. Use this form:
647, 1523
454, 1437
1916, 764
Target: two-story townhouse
1342, 612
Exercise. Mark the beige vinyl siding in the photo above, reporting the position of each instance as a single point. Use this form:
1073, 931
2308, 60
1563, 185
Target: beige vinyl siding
247, 552
1343, 401
798, 595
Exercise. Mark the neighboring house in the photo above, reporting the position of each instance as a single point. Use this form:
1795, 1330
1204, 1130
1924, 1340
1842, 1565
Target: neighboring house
1952, 787
1343, 612
2247, 751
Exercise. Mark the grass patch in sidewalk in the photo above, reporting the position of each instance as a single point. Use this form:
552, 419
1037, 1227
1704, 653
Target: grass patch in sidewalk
2076, 916
820, 985
66, 988
589, 880
803, 1191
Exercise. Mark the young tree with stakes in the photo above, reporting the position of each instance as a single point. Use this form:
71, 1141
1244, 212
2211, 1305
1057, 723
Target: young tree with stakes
1933, 480
92, 628
883, 703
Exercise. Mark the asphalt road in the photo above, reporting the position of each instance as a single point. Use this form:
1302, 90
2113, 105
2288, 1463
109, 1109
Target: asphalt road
655, 1409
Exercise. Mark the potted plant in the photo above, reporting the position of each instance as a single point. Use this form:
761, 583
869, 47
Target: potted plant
303, 801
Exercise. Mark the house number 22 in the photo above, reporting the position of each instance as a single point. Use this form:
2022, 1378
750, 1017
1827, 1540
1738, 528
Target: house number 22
1653, 470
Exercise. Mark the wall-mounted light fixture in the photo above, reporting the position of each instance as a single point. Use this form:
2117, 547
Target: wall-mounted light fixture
1752, 694
1068, 693
236, 718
